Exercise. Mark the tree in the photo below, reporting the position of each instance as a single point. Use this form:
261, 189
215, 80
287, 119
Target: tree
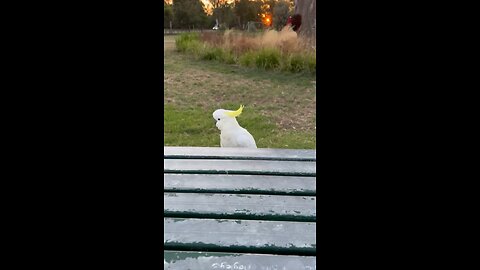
246, 11
280, 14
217, 3
307, 9
188, 14
167, 15
224, 14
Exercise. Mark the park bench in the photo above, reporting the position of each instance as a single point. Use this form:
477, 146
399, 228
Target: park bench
239, 208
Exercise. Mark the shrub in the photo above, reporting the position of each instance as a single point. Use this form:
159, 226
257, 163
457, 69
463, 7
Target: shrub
228, 57
312, 62
247, 59
295, 63
211, 53
288, 54
195, 47
185, 40
268, 58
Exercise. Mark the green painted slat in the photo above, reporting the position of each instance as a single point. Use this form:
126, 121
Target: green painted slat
193, 260
239, 153
240, 206
246, 184
251, 236
265, 167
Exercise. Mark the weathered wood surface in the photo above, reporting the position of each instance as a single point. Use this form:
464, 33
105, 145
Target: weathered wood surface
240, 206
239, 153
244, 184
262, 167
250, 236
214, 260
233, 208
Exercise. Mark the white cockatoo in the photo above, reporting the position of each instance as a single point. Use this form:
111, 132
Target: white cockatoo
231, 133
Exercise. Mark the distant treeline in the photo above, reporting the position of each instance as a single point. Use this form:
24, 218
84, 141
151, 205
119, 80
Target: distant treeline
194, 14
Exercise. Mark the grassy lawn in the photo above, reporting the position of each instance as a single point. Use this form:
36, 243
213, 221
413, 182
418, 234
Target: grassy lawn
279, 107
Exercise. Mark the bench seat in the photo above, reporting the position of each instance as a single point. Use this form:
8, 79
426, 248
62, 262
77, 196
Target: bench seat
197, 260
244, 184
252, 236
252, 167
238, 153
238, 208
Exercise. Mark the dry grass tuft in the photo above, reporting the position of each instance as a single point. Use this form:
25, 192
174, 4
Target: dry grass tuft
285, 40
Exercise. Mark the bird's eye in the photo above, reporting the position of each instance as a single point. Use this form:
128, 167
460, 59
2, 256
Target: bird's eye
218, 119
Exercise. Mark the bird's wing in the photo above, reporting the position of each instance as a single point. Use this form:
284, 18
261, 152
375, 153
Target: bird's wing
245, 139
221, 142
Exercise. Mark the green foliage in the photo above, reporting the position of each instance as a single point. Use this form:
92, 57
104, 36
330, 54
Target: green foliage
228, 57
247, 59
268, 58
186, 41
224, 14
280, 14
299, 63
188, 14
167, 15
311, 63
212, 54
246, 11
195, 48
209, 22
264, 58
294, 63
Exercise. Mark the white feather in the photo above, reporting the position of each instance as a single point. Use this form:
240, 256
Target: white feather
231, 133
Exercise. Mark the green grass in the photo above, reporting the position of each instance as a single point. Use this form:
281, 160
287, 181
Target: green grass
186, 41
212, 54
247, 59
196, 127
279, 107
268, 58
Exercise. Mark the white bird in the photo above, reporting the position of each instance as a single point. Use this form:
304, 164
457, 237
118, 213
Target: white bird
231, 133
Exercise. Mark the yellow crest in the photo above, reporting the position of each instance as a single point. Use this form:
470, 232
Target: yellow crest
235, 113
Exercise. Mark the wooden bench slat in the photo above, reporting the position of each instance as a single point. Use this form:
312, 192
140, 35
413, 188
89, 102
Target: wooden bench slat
223, 235
240, 206
264, 167
246, 184
216, 260
239, 153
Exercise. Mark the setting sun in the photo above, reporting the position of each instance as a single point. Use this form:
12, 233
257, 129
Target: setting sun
267, 19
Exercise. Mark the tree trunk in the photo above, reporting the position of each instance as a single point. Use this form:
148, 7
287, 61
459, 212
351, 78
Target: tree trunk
307, 9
